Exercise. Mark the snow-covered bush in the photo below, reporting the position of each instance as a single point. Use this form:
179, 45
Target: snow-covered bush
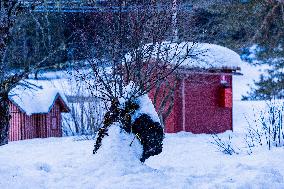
119, 153
136, 117
272, 125
268, 127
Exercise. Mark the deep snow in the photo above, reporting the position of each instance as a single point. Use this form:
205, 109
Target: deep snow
187, 162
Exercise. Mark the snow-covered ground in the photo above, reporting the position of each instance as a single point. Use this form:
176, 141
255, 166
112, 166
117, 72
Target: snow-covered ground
187, 162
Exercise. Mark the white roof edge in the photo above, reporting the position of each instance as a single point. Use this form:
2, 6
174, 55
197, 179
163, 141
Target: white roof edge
200, 55
36, 101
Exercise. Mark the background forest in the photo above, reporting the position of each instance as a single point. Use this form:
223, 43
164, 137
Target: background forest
253, 28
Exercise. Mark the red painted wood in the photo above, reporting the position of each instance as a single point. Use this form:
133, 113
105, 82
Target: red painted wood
197, 104
24, 127
15, 123
173, 122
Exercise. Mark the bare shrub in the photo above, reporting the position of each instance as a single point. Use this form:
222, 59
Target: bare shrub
267, 128
86, 111
85, 118
225, 146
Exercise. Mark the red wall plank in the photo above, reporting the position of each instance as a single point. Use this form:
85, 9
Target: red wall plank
23, 126
197, 106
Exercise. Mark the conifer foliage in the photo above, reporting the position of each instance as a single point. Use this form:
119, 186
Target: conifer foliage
150, 134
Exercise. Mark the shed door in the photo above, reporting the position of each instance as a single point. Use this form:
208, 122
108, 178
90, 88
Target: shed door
197, 108
201, 94
54, 124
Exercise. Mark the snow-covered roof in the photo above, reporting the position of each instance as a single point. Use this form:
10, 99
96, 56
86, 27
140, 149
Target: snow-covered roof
195, 55
38, 98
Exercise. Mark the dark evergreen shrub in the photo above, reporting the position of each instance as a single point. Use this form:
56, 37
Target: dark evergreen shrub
150, 134
110, 117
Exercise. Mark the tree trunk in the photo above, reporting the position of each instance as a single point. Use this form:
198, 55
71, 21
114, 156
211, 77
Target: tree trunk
4, 119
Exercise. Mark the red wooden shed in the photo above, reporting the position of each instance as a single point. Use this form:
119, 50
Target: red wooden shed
36, 113
203, 94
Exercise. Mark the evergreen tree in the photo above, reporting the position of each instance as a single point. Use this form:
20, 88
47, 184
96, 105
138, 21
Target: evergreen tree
269, 86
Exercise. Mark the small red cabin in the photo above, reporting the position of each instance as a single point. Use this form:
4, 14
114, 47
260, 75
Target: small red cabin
36, 113
202, 97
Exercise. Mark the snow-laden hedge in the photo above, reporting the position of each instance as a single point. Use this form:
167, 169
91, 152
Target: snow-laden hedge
136, 117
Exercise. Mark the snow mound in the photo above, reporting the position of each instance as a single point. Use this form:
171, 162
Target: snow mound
118, 163
120, 152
